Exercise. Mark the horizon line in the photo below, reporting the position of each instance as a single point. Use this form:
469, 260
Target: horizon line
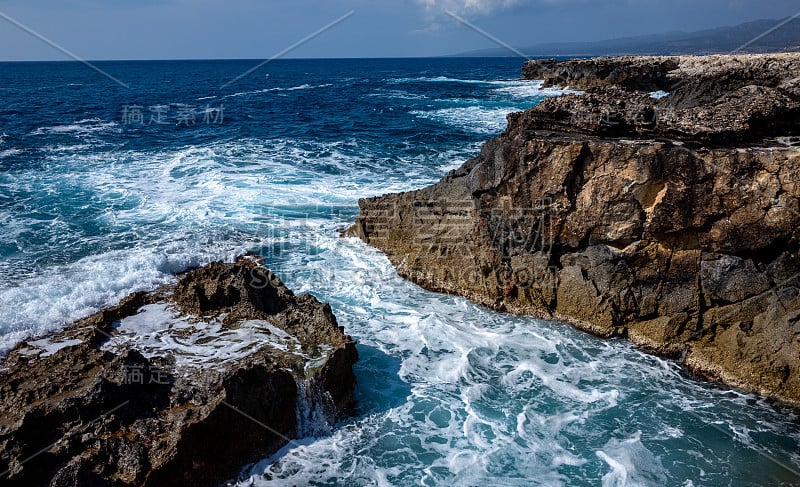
466, 55
255, 59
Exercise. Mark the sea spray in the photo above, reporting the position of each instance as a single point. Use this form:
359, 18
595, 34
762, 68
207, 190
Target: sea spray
316, 411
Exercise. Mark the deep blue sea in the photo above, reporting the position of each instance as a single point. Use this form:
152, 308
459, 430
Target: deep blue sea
107, 189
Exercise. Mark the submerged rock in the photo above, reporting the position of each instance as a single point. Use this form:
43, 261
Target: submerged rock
181, 386
672, 222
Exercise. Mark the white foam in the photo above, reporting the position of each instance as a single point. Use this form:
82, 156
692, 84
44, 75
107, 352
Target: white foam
186, 207
442, 79
304, 86
80, 127
477, 119
9, 152
398, 94
71, 148
45, 303
196, 343
631, 464
49, 347
517, 88
488, 120
530, 90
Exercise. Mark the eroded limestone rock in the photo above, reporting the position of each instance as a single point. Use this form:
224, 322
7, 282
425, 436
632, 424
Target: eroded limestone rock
679, 231
181, 386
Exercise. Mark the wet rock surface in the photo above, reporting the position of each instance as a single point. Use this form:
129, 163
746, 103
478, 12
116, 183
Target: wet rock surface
671, 222
181, 386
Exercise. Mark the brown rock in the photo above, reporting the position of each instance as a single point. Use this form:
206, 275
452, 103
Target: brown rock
720, 100
101, 403
680, 233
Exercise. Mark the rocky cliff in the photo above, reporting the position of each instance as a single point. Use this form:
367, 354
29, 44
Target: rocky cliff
181, 386
672, 222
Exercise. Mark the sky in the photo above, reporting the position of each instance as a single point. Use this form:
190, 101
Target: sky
259, 29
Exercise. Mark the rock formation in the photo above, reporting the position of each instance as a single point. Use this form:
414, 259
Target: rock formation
181, 386
673, 222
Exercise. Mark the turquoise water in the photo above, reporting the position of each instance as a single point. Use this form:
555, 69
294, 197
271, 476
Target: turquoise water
94, 205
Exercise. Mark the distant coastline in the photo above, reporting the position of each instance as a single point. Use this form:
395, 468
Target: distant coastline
760, 36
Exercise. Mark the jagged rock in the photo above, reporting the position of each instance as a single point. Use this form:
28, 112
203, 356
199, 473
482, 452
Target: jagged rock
644, 73
679, 233
691, 80
181, 386
719, 100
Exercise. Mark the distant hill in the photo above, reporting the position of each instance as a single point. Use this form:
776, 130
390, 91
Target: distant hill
711, 41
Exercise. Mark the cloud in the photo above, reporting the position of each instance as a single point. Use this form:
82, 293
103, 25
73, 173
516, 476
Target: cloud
468, 7
487, 7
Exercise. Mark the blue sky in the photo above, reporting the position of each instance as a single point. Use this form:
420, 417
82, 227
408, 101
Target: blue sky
204, 29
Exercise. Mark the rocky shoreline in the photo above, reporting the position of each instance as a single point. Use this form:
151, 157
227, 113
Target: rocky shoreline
671, 220
180, 386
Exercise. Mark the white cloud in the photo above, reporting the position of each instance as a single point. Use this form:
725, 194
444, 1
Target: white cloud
477, 7
486, 7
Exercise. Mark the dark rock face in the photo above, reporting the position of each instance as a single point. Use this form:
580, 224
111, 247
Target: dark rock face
182, 386
634, 73
680, 233
714, 100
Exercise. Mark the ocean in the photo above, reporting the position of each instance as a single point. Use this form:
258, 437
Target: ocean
107, 189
